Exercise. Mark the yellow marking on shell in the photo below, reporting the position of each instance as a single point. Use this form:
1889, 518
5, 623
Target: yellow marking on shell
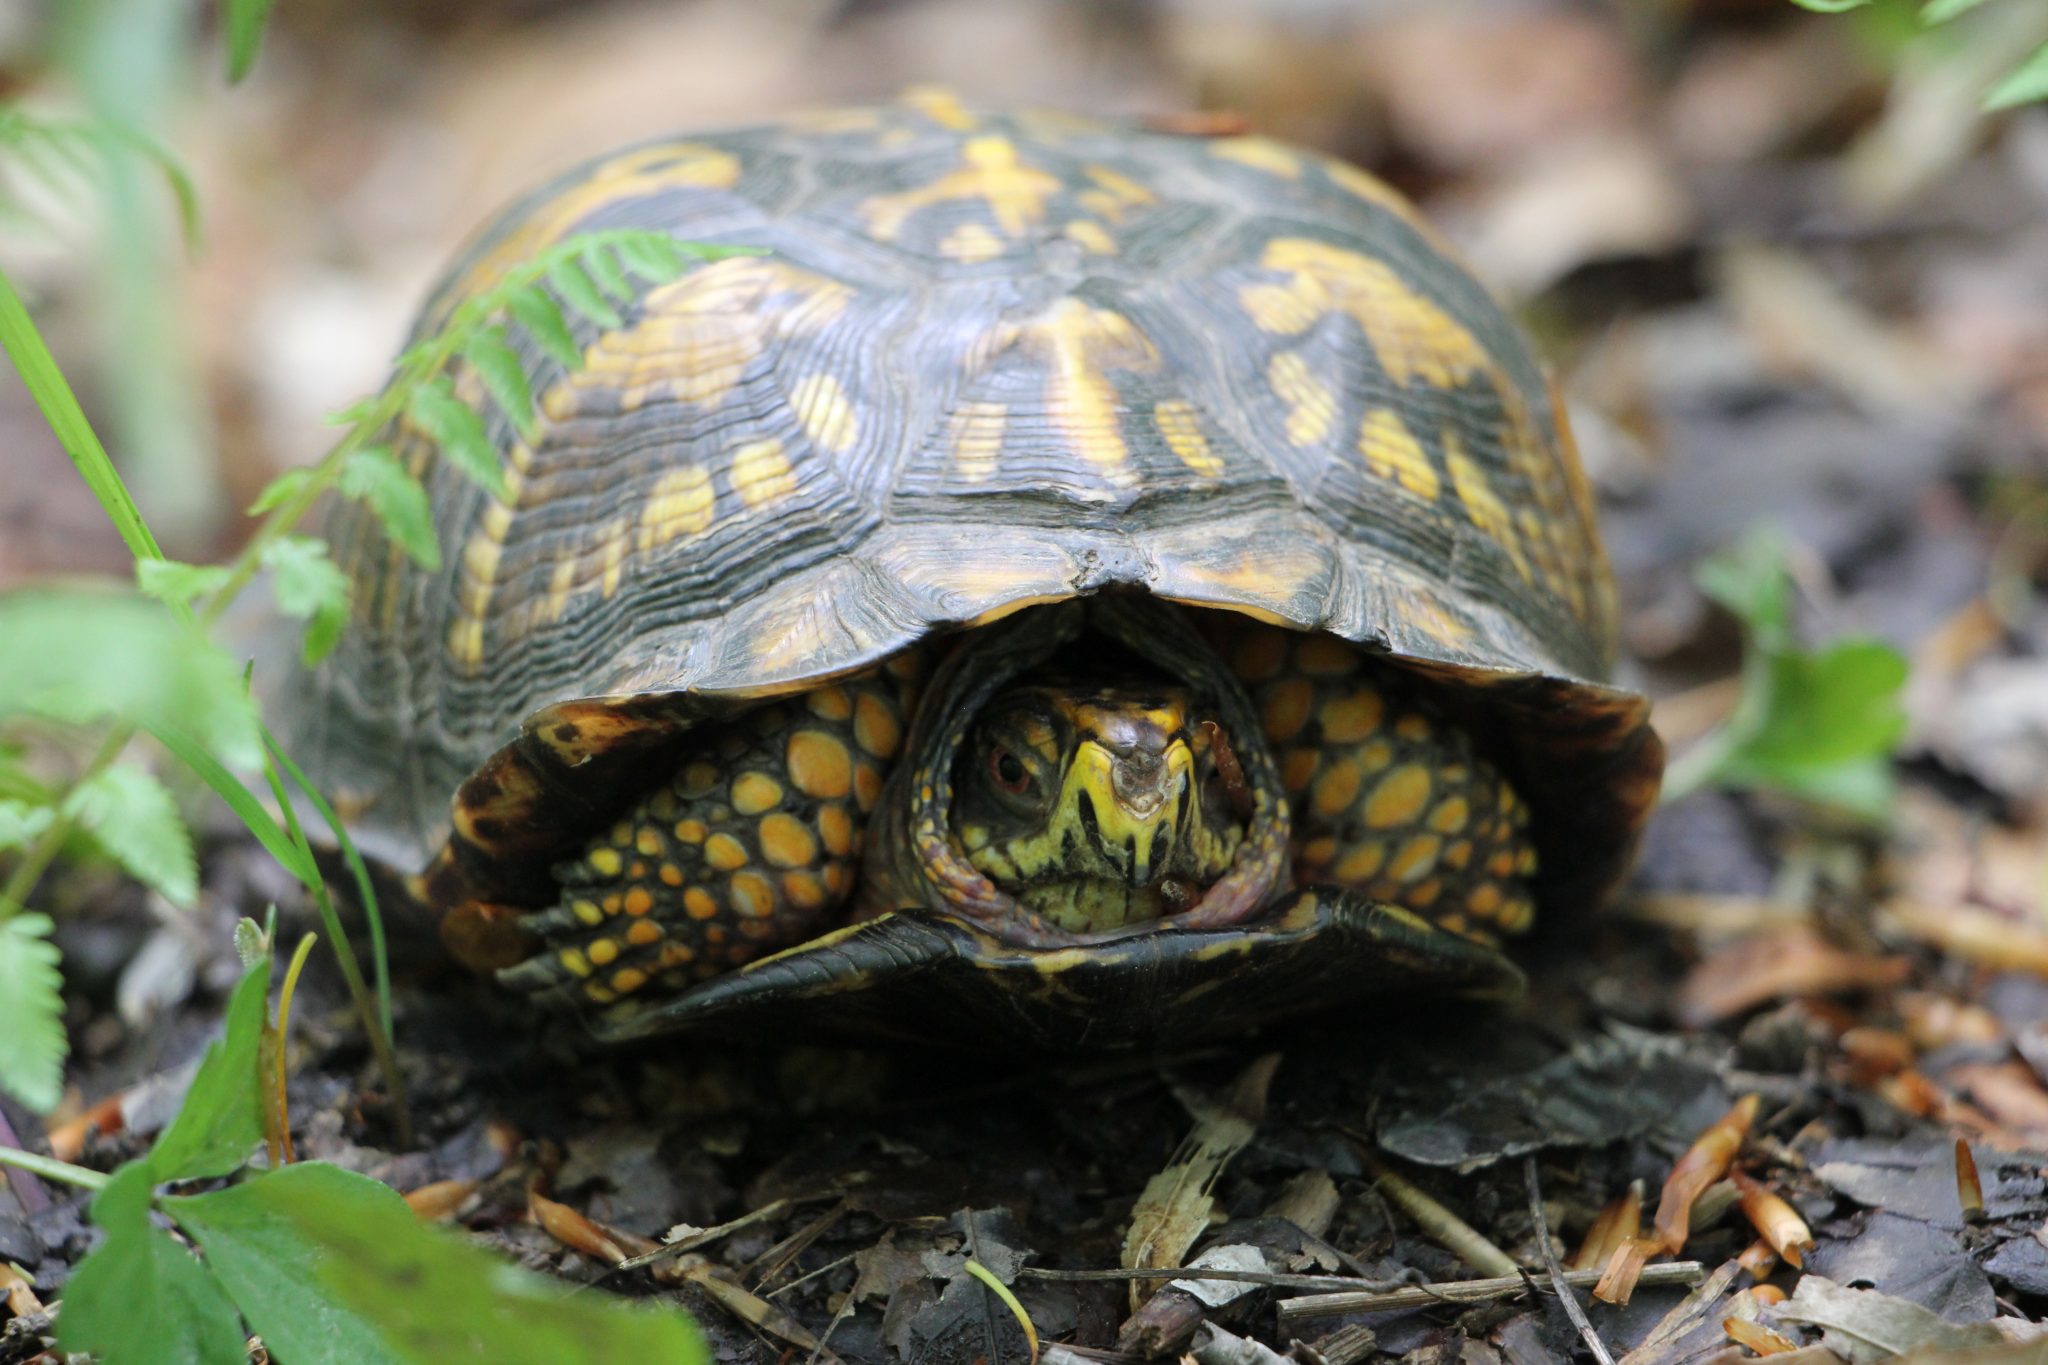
752, 895
681, 503
602, 951
1082, 343
971, 243
586, 910
697, 336
829, 703
1285, 709
1092, 235
561, 586
990, 171
1450, 815
1260, 153
753, 793
613, 549
941, 106
1114, 195
1311, 402
724, 852
1361, 863
606, 862
1414, 339
1376, 191
1337, 788
466, 642
1392, 453
639, 901
1399, 798
574, 960
1482, 504
635, 174
1348, 719
1182, 430
761, 473
875, 727
787, 842
835, 826
1416, 859
974, 434
803, 890
818, 764
824, 412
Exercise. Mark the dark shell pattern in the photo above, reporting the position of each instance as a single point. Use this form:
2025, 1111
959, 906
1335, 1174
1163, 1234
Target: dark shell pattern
988, 360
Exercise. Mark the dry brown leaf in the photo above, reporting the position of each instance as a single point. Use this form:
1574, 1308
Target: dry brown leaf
432, 1203
580, 1232
1981, 936
1173, 1210
2008, 1090
1757, 1337
1937, 1021
1775, 965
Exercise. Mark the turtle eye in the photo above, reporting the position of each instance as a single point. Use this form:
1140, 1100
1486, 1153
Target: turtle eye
1007, 771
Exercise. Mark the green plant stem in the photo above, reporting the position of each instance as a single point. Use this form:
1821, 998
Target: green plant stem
49, 1168
37, 857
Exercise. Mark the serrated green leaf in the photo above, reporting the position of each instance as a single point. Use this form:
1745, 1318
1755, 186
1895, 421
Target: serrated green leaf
140, 1298
434, 1298
32, 1044
2026, 84
533, 309
273, 1270
653, 256
21, 822
456, 428
134, 818
504, 375
1941, 11
80, 656
245, 21
579, 291
310, 587
280, 490
221, 1120
168, 580
374, 477
604, 270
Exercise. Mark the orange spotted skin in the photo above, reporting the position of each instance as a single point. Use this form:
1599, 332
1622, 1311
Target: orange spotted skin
752, 845
1389, 797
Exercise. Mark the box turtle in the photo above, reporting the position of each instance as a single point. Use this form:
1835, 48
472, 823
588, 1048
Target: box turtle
1080, 584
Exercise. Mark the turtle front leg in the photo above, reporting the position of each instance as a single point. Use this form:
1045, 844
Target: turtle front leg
1389, 798
752, 845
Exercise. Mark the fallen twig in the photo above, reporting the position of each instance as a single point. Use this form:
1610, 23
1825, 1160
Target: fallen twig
1293, 1311
1541, 1226
1273, 1279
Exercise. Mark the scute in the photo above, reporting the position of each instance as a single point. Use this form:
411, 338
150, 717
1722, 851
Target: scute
989, 361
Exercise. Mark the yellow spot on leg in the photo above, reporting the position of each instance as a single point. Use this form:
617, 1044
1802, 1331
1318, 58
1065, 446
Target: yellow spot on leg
753, 793
787, 842
724, 852
1348, 719
819, 764
1399, 797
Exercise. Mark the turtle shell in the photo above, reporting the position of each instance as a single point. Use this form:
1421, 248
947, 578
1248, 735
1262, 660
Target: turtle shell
986, 361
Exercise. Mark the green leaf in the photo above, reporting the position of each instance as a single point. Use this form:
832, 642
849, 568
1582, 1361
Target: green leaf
541, 316
52, 394
374, 477
2024, 85
79, 656
32, 1042
653, 256
280, 490
504, 374
133, 817
1749, 579
221, 1120
140, 1298
456, 428
168, 580
1941, 11
580, 292
245, 20
20, 822
273, 1270
240, 799
310, 587
434, 1298
604, 269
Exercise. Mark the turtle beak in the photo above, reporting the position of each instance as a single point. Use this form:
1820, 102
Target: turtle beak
1130, 798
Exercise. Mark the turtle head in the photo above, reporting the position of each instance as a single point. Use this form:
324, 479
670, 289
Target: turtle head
1097, 807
